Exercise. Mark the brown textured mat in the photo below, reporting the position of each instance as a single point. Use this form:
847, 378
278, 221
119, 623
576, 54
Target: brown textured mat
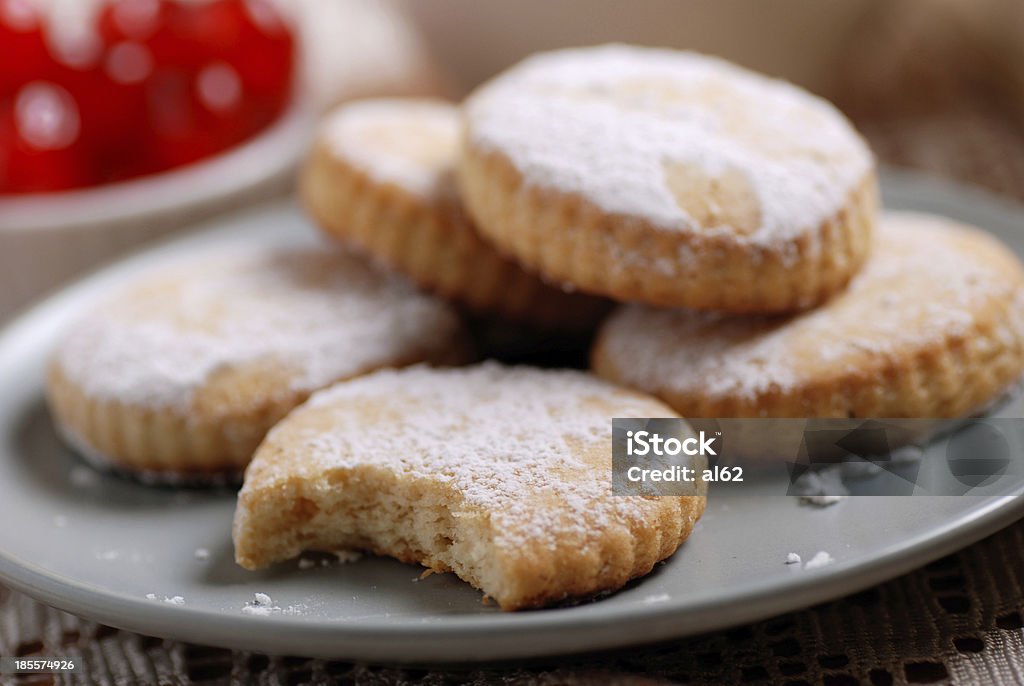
959, 620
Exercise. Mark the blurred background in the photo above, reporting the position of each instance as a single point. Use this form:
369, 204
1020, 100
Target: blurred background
123, 120
936, 86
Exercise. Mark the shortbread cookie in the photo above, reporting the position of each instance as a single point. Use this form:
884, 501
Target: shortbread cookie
183, 372
668, 178
380, 176
499, 474
933, 328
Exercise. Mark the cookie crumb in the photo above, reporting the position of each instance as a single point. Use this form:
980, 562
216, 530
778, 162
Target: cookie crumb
257, 610
820, 559
347, 556
907, 454
261, 606
821, 487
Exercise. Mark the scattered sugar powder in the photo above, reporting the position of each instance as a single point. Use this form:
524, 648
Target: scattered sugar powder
410, 144
657, 598
792, 559
317, 314
509, 441
820, 559
917, 260
648, 107
202, 554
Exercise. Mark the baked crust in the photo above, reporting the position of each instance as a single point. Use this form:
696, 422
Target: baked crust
717, 231
567, 238
403, 464
172, 380
932, 328
352, 189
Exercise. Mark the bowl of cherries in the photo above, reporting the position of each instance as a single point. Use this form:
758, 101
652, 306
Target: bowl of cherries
120, 118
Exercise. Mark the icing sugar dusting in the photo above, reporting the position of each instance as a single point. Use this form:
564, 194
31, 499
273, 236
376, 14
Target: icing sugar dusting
318, 314
920, 286
531, 448
410, 143
604, 122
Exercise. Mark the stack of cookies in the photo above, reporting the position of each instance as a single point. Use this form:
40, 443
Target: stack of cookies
739, 215
734, 217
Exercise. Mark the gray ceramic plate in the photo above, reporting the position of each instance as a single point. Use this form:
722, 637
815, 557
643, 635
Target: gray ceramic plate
96, 545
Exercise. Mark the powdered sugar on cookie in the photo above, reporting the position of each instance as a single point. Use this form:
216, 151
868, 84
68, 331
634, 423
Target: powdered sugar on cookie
410, 143
314, 315
620, 126
503, 439
928, 281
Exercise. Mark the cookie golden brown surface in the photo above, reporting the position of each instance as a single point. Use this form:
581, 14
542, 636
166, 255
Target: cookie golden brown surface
499, 474
181, 374
668, 178
380, 177
933, 327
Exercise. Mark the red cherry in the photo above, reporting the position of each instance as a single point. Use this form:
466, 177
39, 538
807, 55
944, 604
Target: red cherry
195, 33
23, 53
178, 135
7, 142
166, 83
132, 20
266, 55
41, 147
46, 117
